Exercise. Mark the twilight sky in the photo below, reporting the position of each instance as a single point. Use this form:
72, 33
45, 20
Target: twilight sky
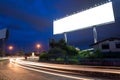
31, 22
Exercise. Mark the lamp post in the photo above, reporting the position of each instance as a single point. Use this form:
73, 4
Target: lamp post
38, 46
10, 49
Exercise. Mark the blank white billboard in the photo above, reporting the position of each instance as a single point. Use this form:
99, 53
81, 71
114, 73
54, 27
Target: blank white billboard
102, 14
3, 33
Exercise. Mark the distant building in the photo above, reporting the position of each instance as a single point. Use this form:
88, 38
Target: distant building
108, 45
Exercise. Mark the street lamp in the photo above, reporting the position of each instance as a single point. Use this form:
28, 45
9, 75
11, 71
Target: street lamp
38, 46
10, 48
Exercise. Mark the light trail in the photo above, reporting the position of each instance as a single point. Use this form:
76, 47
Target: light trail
47, 72
56, 69
51, 69
92, 69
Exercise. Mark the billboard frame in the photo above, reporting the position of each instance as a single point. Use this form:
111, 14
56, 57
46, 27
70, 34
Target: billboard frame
107, 21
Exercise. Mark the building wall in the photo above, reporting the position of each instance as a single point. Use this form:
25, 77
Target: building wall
112, 46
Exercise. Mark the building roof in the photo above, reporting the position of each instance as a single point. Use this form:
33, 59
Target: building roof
108, 39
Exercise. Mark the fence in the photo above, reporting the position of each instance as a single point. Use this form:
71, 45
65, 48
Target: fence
100, 62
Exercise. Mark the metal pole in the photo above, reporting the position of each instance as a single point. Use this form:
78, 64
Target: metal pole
95, 34
65, 36
3, 47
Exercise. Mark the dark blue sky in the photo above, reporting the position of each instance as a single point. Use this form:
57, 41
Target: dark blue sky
31, 22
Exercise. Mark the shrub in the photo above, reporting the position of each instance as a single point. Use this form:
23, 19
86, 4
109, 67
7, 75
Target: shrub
44, 56
60, 59
84, 54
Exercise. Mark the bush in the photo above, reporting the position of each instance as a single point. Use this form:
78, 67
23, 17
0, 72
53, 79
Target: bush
71, 51
84, 54
44, 56
55, 53
97, 54
60, 59
74, 61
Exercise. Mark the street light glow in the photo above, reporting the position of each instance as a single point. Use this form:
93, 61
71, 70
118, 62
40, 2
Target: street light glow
38, 46
10, 47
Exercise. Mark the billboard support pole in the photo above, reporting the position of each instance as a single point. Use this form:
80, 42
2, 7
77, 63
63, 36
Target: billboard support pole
65, 36
95, 34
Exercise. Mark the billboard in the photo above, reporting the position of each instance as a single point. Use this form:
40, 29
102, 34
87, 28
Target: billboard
102, 14
3, 33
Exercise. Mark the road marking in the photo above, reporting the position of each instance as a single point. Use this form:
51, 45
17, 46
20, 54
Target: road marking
56, 74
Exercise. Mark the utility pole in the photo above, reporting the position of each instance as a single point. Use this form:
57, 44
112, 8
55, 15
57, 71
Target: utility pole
3, 47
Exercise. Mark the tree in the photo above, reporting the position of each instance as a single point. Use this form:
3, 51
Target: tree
71, 51
21, 53
44, 56
0, 53
62, 44
55, 53
52, 43
60, 49
98, 54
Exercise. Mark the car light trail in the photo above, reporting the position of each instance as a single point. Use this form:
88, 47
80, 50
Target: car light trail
63, 67
46, 72
53, 69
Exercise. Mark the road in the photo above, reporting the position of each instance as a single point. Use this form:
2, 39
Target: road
22, 70
14, 71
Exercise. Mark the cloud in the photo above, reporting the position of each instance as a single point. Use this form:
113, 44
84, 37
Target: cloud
40, 21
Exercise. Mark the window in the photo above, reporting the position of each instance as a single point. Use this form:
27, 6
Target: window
105, 46
117, 45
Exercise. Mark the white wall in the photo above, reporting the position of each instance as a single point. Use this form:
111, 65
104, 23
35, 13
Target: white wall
112, 46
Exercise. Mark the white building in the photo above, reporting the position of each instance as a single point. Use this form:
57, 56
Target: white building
108, 45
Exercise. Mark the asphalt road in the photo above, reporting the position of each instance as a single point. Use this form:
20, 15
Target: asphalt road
22, 71
14, 71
